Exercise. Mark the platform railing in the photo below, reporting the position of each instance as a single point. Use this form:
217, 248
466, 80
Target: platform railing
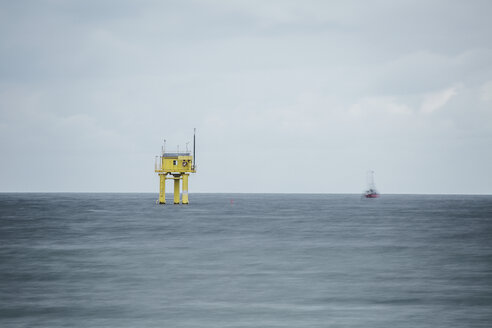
158, 163
175, 153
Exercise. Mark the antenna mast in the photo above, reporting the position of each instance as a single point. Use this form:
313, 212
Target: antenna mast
194, 157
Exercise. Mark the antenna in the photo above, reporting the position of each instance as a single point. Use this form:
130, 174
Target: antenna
194, 144
187, 147
163, 148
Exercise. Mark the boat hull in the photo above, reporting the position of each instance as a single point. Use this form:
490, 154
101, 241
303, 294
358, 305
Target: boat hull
371, 195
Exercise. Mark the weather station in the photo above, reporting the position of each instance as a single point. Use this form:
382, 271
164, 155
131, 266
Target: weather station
175, 166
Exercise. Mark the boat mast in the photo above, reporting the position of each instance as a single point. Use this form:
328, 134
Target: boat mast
370, 180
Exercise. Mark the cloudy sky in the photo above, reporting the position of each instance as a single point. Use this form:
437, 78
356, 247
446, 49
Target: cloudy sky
286, 96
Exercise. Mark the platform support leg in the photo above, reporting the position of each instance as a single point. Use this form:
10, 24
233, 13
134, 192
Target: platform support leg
162, 189
176, 189
185, 188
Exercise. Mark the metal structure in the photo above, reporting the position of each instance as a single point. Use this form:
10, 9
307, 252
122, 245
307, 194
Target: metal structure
175, 166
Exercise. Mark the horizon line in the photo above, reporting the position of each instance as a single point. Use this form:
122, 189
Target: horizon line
263, 193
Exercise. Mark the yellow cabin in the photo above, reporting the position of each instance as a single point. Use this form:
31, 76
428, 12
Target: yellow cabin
177, 162
175, 166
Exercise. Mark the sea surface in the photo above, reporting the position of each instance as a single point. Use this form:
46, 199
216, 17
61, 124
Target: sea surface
245, 260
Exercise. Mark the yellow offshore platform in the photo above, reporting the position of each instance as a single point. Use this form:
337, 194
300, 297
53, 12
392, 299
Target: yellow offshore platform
178, 166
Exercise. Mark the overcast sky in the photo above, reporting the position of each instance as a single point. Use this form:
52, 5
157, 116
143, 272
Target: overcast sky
286, 96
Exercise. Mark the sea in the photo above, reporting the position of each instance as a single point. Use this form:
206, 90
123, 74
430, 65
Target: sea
245, 260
